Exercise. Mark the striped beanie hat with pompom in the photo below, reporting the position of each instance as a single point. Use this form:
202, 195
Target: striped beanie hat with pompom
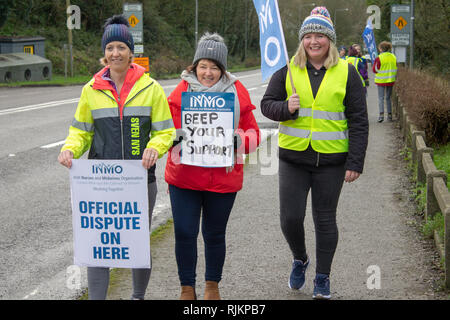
319, 21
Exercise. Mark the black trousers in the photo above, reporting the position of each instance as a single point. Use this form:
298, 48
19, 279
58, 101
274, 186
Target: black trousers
325, 183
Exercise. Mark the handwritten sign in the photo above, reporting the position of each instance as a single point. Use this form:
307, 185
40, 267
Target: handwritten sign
207, 119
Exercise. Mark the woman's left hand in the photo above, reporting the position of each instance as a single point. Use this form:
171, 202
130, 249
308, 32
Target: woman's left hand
149, 157
351, 176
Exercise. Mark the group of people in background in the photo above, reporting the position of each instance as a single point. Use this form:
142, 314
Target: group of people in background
384, 67
323, 137
354, 56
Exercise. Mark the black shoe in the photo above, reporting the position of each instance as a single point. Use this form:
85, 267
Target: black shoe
380, 118
390, 116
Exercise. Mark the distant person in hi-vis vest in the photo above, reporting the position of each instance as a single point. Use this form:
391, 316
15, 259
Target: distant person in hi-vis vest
323, 134
385, 69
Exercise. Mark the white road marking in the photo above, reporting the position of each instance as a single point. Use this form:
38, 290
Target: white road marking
248, 75
51, 145
31, 294
69, 101
38, 106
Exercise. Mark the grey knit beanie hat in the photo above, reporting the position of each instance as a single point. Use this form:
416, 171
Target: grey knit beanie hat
212, 46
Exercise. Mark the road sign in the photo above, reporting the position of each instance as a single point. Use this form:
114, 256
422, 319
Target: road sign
400, 24
138, 49
133, 21
143, 62
133, 13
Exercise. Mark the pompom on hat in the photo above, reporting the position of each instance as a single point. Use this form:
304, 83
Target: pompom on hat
319, 21
212, 46
117, 29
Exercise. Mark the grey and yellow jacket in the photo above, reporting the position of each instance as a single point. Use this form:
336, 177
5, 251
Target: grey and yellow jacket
115, 128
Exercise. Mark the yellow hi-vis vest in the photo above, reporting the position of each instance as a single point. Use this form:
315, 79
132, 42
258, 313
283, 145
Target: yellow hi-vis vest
321, 121
388, 68
354, 61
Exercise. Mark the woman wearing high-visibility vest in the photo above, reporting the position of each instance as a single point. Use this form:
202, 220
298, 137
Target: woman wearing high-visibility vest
122, 114
385, 69
322, 140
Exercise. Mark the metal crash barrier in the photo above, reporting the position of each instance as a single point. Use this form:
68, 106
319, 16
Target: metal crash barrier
24, 67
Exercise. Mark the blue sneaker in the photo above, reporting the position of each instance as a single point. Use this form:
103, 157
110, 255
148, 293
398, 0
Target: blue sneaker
321, 287
297, 277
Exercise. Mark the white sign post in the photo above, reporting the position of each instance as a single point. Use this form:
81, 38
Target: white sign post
134, 14
110, 213
207, 119
400, 29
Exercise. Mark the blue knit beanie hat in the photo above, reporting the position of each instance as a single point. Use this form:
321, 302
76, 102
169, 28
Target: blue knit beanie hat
117, 29
318, 22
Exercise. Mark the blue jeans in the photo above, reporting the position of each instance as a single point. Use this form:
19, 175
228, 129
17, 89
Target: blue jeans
187, 208
381, 96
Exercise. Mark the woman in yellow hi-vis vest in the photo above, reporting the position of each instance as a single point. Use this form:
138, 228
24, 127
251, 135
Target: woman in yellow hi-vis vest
323, 135
385, 69
122, 114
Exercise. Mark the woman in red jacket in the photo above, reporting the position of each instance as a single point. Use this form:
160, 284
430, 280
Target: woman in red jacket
207, 192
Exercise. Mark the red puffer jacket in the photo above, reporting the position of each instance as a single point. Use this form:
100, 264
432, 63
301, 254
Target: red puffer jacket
213, 179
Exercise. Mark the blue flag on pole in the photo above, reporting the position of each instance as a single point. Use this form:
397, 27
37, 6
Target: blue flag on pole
369, 40
271, 37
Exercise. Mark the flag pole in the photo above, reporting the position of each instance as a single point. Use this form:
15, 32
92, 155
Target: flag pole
285, 49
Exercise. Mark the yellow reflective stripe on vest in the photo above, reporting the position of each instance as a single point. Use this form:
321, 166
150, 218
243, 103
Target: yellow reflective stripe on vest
301, 133
329, 135
294, 132
85, 126
388, 68
321, 122
162, 125
327, 115
105, 113
137, 111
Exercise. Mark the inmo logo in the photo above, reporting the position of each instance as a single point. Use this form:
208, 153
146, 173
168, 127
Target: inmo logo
107, 168
207, 101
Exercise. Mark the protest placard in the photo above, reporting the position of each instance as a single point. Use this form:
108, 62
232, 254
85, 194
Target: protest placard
110, 213
207, 119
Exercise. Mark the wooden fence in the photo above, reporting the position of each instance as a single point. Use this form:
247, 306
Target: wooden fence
437, 194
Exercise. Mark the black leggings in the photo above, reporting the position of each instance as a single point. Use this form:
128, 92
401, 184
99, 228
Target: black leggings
325, 183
